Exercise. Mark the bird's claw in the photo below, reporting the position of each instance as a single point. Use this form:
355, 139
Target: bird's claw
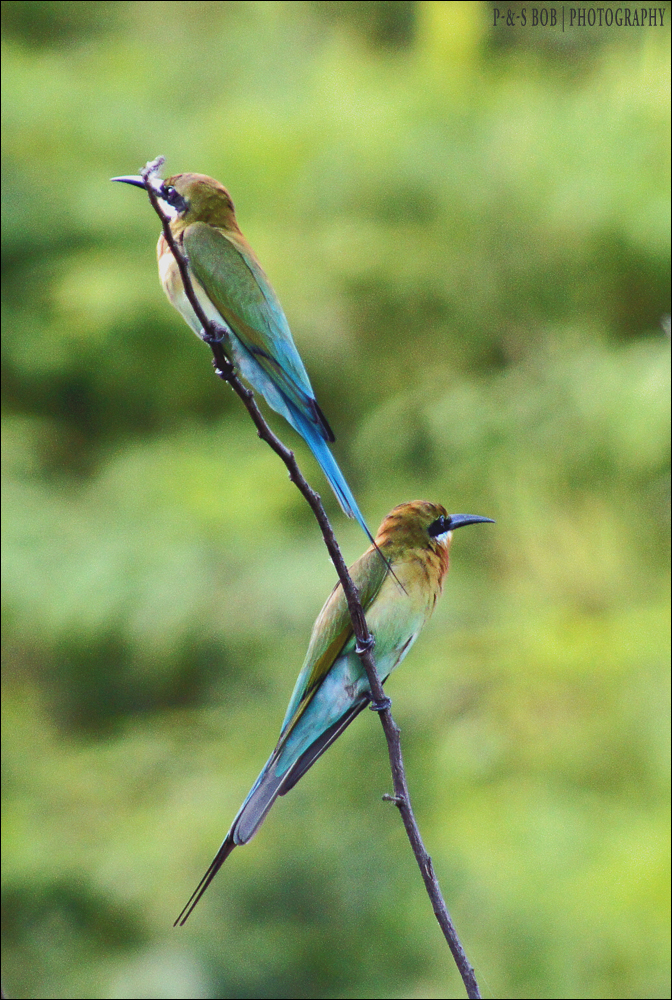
211, 338
381, 706
224, 372
365, 645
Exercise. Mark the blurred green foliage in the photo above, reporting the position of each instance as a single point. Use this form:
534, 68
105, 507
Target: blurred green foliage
469, 233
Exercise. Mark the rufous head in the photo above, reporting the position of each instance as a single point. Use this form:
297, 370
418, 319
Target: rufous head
420, 524
188, 198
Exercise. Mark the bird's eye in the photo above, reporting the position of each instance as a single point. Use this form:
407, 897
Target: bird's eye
169, 194
439, 527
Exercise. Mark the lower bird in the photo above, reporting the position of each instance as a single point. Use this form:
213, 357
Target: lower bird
235, 294
398, 595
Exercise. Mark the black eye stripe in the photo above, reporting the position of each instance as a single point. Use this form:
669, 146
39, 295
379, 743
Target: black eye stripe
439, 527
169, 194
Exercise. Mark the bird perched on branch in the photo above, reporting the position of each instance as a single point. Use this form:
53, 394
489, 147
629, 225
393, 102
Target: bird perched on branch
236, 295
332, 687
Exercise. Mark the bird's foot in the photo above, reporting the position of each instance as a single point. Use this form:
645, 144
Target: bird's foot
223, 368
381, 706
215, 335
364, 645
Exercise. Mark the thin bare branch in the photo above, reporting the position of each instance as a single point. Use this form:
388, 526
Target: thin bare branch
365, 641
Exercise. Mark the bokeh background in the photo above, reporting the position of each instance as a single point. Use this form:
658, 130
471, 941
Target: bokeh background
468, 229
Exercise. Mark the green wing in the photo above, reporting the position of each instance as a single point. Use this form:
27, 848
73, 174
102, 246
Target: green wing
333, 630
238, 287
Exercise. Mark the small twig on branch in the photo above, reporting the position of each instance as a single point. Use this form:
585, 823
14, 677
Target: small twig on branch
365, 641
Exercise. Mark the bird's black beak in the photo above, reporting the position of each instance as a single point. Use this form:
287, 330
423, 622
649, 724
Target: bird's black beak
461, 520
131, 179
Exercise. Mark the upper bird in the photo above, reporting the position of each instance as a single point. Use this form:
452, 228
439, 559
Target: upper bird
332, 687
235, 293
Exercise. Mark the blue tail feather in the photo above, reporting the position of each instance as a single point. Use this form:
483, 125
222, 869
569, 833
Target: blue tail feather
313, 428
320, 449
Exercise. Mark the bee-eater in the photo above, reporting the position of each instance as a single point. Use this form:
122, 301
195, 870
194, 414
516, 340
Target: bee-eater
235, 293
332, 687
